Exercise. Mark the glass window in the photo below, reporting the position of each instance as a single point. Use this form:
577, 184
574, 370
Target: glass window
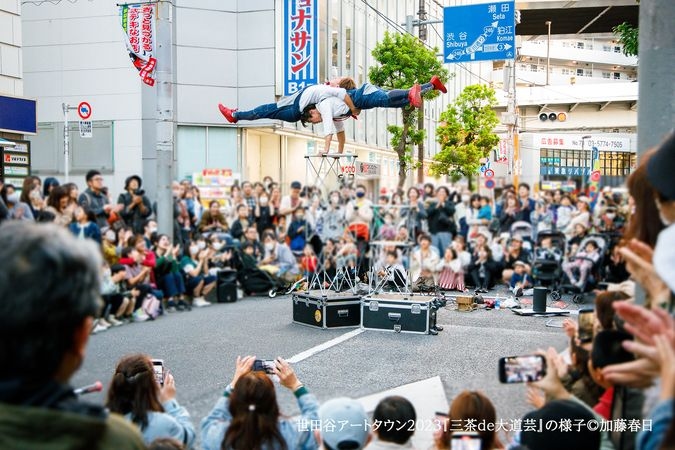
580, 72
606, 75
617, 75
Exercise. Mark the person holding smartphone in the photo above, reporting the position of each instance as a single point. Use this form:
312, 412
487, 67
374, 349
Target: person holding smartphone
138, 395
247, 416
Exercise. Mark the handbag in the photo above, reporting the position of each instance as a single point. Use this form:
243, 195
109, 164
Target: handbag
151, 306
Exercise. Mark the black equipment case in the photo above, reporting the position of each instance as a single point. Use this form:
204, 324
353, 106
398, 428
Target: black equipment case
326, 310
403, 313
226, 286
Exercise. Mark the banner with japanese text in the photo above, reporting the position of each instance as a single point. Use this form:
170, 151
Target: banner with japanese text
138, 23
301, 43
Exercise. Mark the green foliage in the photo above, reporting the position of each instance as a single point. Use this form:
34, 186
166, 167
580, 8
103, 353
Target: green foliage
628, 37
466, 133
404, 60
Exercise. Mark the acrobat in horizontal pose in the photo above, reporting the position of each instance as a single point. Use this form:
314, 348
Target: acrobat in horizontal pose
289, 109
331, 111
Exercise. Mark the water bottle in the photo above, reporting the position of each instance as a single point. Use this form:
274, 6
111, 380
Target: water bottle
497, 303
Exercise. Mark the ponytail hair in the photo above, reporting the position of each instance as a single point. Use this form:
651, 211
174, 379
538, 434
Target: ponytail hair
255, 415
133, 389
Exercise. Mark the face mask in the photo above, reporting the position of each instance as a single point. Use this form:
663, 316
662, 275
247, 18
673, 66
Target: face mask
201, 245
152, 230
387, 221
193, 249
664, 219
611, 216
360, 194
218, 245
110, 236
176, 194
465, 198
269, 246
335, 199
300, 217
13, 198
263, 201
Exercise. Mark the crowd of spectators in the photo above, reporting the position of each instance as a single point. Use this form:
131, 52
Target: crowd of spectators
614, 390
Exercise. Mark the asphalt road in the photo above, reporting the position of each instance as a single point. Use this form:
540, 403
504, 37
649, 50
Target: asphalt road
200, 348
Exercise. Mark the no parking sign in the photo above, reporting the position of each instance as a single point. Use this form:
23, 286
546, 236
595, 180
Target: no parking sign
490, 183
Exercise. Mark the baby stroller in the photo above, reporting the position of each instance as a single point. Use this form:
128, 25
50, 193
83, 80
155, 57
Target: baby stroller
524, 230
547, 263
255, 281
596, 274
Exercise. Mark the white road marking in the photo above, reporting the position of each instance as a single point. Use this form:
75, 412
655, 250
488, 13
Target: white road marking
326, 345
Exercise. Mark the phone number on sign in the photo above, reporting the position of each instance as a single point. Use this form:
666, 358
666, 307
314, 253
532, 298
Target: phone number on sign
471, 425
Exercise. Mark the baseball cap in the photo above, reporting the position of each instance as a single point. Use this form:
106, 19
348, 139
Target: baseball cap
555, 411
296, 185
660, 168
519, 263
343, 420
517, 237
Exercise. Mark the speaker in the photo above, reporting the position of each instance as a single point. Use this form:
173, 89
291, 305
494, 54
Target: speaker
226, 286
539, 302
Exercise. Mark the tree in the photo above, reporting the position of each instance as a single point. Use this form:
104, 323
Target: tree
628, 37
402, 61
466, 133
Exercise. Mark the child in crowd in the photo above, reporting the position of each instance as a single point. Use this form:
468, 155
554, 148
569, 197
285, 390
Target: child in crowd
520, 280
485, 211
583, 262
85, 225
451, 275
394, 272
545, 251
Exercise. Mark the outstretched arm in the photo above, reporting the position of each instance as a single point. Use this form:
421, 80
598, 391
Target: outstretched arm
327, 141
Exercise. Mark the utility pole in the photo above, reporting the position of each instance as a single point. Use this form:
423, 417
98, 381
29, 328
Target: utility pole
656, 111
422, 33
548, 52
166, 121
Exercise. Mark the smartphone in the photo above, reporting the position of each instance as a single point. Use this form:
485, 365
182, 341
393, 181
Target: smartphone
158, 369
521, 369
440, 425
586, 319
264, 365
465, 441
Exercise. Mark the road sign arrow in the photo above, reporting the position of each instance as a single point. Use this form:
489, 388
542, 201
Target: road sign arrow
507, 46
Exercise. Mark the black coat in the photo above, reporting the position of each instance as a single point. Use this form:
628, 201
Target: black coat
440, 217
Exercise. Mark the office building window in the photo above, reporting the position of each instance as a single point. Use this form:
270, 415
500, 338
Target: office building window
606, 75
580, 72
617, 75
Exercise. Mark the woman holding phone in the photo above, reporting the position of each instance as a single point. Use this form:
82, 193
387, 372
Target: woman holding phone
247, 416
137, 394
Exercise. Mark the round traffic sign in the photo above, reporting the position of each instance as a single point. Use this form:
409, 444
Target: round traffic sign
489, 173
490, 183
84, 110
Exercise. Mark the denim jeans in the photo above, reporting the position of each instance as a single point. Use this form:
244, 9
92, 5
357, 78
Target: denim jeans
288, 113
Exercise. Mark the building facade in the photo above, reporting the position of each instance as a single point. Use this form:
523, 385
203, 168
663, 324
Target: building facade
227, 52
589, 99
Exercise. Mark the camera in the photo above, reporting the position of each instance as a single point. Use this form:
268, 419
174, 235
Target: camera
139, 192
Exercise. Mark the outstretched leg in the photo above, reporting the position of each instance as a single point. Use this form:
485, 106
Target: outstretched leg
287, 113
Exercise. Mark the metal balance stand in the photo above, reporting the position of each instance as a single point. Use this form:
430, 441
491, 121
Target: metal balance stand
331, 298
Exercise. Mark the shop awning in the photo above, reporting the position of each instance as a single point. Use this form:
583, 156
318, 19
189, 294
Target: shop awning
6, 143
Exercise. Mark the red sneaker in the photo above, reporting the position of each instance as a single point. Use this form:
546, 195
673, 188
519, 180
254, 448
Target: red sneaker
415, 96
228, 113
438, 84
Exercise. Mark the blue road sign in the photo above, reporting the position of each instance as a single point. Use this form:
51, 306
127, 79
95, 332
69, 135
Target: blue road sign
484, 32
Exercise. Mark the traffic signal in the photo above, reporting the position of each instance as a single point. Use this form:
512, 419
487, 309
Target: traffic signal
560, 117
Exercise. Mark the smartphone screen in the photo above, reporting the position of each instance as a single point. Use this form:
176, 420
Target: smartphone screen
264, 365
465, 441
586, 319
158, 369
521, 369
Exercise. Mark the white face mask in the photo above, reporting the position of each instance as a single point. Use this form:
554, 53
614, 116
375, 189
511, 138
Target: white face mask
269, 246
611, 216
465, 198
664, 219
152, 229
218, 245
110, 236
335, 199
201, 245
263, 201
194, 249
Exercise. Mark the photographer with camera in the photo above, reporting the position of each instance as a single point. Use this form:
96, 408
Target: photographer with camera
135, 205
247, 416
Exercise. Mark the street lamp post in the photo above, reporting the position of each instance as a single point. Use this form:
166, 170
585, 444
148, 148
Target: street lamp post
585, 159
548, 51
